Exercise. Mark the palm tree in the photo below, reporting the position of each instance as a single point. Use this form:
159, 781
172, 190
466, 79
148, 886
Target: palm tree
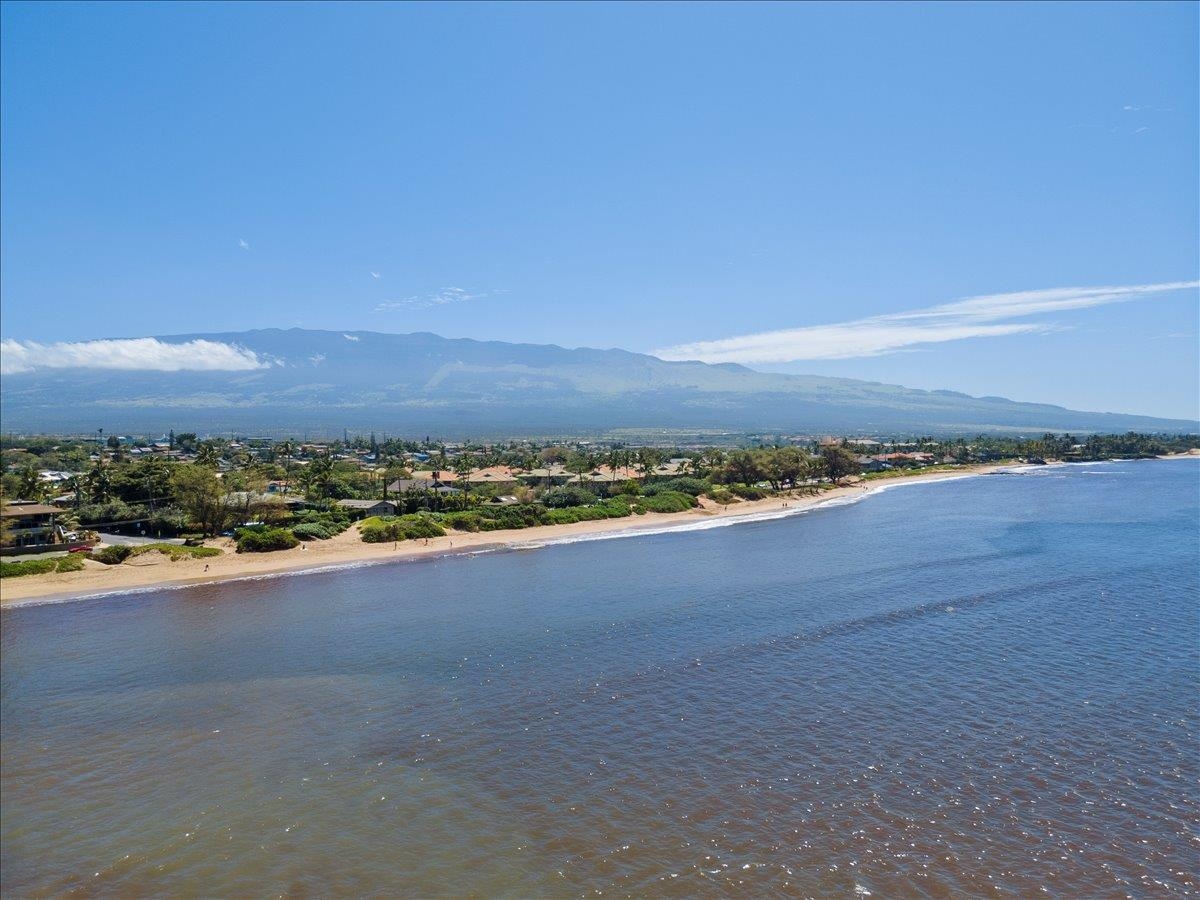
320, 472
31, 486
286, 449
207, 455
579, 463
648, 459
617, 457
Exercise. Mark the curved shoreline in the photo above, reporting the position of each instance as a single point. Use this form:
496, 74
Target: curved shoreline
154, 572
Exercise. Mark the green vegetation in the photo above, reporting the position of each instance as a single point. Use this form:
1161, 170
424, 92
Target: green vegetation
272, 494
264, 540
693, 486
319, 525
666, 502
616, 508
113, 555
175, 551
70, 563
383, 529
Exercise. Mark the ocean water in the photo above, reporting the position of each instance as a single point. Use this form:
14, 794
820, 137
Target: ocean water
983, 687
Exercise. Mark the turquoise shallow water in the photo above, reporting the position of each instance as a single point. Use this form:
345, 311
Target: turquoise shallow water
979, 687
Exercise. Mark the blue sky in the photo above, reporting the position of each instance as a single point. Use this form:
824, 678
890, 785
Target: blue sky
655, 177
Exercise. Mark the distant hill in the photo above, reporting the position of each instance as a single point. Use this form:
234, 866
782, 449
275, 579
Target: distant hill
324, 381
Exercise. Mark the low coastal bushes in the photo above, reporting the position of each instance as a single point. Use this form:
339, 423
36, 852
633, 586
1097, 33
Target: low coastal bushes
265, 540
175, 551
319, 524
382, 529
564, 497
113, 555
525, 515
684, 484
721, 495
666, 502
616, 508
116, 554
70, 563
73, 562
529, 515
311, 531
748, 492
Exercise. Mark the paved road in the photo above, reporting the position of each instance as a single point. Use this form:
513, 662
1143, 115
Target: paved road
133, 541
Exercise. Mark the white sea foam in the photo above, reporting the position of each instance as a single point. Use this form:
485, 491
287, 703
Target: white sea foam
737, 519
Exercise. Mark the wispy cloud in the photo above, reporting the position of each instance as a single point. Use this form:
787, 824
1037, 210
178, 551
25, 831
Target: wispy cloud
146, 354
443, 297
1160, 109
989, 315
242, 243
375, 275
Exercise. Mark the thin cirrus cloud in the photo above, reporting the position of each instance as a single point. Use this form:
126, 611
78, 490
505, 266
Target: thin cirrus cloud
989, 315
444, 297
133, 354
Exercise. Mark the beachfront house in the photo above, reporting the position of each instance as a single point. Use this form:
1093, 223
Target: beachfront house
500, 477
360, 509
434, 484
29, 527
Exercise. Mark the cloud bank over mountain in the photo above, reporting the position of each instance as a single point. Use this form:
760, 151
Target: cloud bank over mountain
299, 381
130, 355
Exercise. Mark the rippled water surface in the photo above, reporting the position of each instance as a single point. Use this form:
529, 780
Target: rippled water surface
985, 686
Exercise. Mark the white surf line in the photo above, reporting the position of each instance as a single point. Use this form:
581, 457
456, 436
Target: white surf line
535, 544
736, 518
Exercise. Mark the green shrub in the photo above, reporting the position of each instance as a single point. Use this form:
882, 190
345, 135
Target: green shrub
563, 497
667, 502
175, 551
72, 562
27, 567
334, 521
523, 516
607, 509
311, 531
112, 511
748, 492
167, 521
686, 485
254, 540
382, 529
112, 555
467, 520
720, 495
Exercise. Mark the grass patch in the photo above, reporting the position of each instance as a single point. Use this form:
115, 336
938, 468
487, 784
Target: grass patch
70, 563
176, 551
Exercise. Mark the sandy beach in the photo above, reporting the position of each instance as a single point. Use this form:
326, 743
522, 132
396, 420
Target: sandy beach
156, 570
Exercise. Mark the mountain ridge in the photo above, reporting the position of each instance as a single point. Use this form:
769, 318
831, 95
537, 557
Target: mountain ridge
422, 382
